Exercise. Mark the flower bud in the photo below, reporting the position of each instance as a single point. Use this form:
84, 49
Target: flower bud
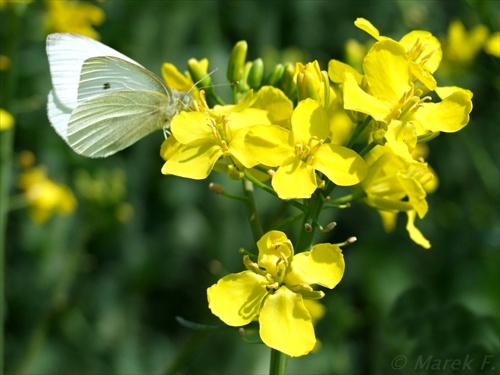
236, 64
274, 77
198, 72
287, 81
255, 74
306, 86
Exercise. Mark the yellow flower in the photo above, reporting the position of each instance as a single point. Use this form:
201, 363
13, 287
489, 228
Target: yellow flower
200, 139
273, 291
492, 45
461, 46
45, 197
6, 120
74, 17
301, 152
391, 95
393, 184
422, 48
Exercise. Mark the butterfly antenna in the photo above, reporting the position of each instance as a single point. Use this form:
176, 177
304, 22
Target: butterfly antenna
207, 75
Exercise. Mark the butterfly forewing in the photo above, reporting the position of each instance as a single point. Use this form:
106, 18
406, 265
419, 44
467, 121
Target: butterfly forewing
66, 53
103, 125
107, 74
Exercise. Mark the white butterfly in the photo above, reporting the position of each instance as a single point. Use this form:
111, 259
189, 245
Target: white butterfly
102, 101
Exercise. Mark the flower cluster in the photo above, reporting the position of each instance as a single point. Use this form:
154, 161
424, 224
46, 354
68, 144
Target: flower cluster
305, 127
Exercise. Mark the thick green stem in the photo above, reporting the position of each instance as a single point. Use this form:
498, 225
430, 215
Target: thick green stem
278, 363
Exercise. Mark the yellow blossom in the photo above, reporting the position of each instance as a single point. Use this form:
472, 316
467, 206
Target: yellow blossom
301, 152
45, 197
394, 185
274, 289
461, 46
74, 17
492, 45
200, 139
391, 96
6, 120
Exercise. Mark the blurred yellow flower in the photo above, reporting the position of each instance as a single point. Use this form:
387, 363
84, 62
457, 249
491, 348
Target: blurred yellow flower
45, 197
492, 45
6, 120
74, 17
4, 62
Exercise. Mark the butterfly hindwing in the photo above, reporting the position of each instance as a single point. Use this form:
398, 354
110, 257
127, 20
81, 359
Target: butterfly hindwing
105, 124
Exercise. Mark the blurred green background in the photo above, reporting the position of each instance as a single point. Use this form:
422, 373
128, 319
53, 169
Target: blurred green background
98, 291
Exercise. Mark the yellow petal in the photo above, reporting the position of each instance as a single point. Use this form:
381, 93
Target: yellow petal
323, 265
414, 233
309, 119
276, 103
271, 247
367, 27
341, 165
337, 69
492, 46
294, 179
270, 145
239, 150
402, 139
388, 220
286, 325
431, 48
449, 115
195, 162
355, 99
387, 71
236, 298
192, 127
175, 79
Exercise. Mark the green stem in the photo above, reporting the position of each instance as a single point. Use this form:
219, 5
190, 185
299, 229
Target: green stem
251, 207
347, 198
368, 148
278, 363
310, 223
357, 132
267, 189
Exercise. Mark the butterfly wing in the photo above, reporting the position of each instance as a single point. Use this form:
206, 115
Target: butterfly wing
106, 74
106, 124
66, 53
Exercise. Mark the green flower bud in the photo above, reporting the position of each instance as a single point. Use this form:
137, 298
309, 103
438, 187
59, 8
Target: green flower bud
236, 64
199, 75
287, 82
255, 74
274, 78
